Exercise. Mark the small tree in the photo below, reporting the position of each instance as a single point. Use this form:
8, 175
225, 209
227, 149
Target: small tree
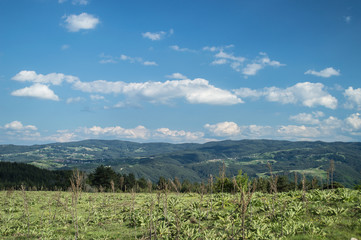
102, 176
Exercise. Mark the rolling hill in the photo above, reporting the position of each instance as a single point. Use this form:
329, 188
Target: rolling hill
196, 162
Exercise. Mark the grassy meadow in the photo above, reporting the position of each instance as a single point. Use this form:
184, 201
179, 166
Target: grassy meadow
315, 214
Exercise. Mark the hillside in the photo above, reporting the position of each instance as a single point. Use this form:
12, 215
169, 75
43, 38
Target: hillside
196, 161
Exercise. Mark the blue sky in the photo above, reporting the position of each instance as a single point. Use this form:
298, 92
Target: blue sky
179, 71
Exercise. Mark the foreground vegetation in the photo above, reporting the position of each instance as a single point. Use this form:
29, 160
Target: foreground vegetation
315, 214
104, 204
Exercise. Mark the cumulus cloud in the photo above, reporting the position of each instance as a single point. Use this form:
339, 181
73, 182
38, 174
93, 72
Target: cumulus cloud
235, 131
249, 93
83, 21
156, 36
354, 120
353, 97
51, 78
197, 91
307, 118
223, 129
176, 76
178, 135
292, 131
327, 129
252, 69
15, 130
139, 132
306, 93
36, 91
18, 126
325, 73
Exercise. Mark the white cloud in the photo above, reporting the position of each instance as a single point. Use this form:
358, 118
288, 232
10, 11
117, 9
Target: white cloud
309, 94
124, 104
354, 121
353, 97
307, 118
179, 49
306, 93
197, 91
224, 58
325, 73
178, 135
18, 132
18, 126
37, 91
74, 100
219, 61
241, 64
259, 63
331, 126
52, 78
156, 36
223, 129
139, 132
130, 59
252, 69
248, 93
61, 136
96, 97
118, 132
328, 129
294, 131
224, 55
256, 131
83, 21
178, 76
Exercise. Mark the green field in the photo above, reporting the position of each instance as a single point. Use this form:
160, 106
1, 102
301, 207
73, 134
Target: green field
327, 214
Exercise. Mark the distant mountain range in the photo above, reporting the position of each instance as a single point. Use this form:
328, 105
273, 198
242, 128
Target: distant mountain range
196, 162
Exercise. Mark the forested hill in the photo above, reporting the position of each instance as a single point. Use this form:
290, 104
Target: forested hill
196, 161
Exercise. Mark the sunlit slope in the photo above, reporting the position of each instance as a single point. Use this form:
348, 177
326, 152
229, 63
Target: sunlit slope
196, 161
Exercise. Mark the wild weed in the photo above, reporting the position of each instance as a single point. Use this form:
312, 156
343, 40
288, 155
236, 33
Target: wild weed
76, 184
26, 208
